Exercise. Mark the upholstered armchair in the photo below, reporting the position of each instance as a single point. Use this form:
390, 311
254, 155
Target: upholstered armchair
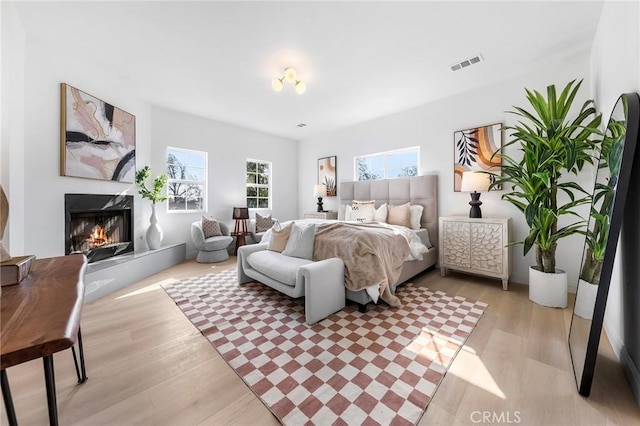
212, 249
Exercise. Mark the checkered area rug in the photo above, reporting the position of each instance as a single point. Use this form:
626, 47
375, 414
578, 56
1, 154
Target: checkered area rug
382, 367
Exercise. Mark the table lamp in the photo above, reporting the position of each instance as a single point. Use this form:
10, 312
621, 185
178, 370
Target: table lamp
240, 215
474, 182
320, 191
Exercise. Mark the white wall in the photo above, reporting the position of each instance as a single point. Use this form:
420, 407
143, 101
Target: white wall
46, 65
228, 147
12, 125
431, 127
615, 68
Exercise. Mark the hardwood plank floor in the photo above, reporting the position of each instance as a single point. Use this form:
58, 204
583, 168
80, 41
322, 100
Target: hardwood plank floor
148, 365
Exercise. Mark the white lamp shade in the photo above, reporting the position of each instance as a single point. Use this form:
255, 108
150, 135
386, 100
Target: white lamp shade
277, 84
475, 181
290, 74
300, 87
319, 191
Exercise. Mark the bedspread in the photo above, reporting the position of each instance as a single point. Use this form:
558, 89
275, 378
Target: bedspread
373, 254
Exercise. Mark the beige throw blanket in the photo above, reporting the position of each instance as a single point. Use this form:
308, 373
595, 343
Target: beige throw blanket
372, 254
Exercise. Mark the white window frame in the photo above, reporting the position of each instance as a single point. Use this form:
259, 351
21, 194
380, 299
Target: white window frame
385, 155
204, 183
256, 185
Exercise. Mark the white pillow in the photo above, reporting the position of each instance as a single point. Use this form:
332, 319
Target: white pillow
380, 215
359, 212
416, 216
301, 241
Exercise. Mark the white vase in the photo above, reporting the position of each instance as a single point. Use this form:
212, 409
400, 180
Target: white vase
154, 232
548, 289
585, 299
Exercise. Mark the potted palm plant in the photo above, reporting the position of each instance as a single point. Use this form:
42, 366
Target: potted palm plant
154, 232
552, 145
597, 233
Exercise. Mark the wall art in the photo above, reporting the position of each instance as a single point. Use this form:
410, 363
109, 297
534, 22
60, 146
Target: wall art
97, 139
474, 149
327, 174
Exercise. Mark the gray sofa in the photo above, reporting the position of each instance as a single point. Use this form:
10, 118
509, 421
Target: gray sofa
321, 283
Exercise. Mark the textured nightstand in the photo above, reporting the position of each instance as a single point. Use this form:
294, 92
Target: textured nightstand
321, 215
476, 246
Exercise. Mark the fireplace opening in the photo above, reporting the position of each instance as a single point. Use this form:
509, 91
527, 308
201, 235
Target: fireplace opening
99, 226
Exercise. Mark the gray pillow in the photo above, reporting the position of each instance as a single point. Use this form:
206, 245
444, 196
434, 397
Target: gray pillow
301, 241
263, 222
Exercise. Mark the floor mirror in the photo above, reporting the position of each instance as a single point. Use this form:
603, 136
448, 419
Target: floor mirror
612, 181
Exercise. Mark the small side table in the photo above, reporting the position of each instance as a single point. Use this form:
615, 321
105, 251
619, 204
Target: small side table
240, 239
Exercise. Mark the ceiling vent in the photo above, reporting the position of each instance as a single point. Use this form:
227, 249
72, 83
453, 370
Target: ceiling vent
466, 63
301, 125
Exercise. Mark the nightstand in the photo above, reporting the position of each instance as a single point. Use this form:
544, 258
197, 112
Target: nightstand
321, 215
476, 246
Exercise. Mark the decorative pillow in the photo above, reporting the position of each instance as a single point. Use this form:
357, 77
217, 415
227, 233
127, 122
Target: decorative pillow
380, 215
416, 216
279, 237
301, 241
263, 222
360, 212
210, 227
399, 215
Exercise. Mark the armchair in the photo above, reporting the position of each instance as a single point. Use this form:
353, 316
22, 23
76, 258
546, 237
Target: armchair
212, 249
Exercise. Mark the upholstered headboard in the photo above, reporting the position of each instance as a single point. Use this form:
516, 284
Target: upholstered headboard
421, 190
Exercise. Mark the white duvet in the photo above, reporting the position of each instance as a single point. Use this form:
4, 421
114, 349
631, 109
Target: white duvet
416, 248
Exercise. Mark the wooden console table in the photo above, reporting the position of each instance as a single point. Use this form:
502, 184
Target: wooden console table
39, 317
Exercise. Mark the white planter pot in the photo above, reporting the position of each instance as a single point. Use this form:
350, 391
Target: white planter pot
585, 299
548, 289
154, 232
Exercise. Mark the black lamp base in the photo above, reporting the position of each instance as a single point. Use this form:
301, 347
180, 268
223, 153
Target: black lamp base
475, 204
320, 207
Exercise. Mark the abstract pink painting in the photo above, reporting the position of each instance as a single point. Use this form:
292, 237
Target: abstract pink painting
98, 140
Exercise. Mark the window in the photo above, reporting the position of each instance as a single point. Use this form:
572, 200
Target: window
387, 165
258, 184
187, 183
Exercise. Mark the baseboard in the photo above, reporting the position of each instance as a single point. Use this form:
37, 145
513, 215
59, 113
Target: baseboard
614, 339
632, 373
522, 279
515, 278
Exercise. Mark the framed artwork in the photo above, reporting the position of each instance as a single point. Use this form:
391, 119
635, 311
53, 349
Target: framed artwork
473, 151
327, 174
97, 139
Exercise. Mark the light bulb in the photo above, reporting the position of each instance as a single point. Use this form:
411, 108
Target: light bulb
277, 84
290, 74
300, 87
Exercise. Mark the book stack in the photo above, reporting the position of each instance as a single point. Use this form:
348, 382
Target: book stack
16, 269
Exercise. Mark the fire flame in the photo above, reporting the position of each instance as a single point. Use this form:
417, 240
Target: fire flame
98, 237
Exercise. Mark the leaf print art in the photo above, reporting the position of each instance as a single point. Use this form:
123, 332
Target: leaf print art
477, 149
467, 147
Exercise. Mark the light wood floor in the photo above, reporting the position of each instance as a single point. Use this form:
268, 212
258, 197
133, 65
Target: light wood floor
148, 365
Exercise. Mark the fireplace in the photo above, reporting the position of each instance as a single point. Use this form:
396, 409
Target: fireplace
99, 226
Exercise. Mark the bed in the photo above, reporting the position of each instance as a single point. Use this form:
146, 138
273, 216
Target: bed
422, 190
324, 277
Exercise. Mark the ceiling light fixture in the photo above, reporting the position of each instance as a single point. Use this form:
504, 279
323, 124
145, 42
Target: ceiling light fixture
291, 76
